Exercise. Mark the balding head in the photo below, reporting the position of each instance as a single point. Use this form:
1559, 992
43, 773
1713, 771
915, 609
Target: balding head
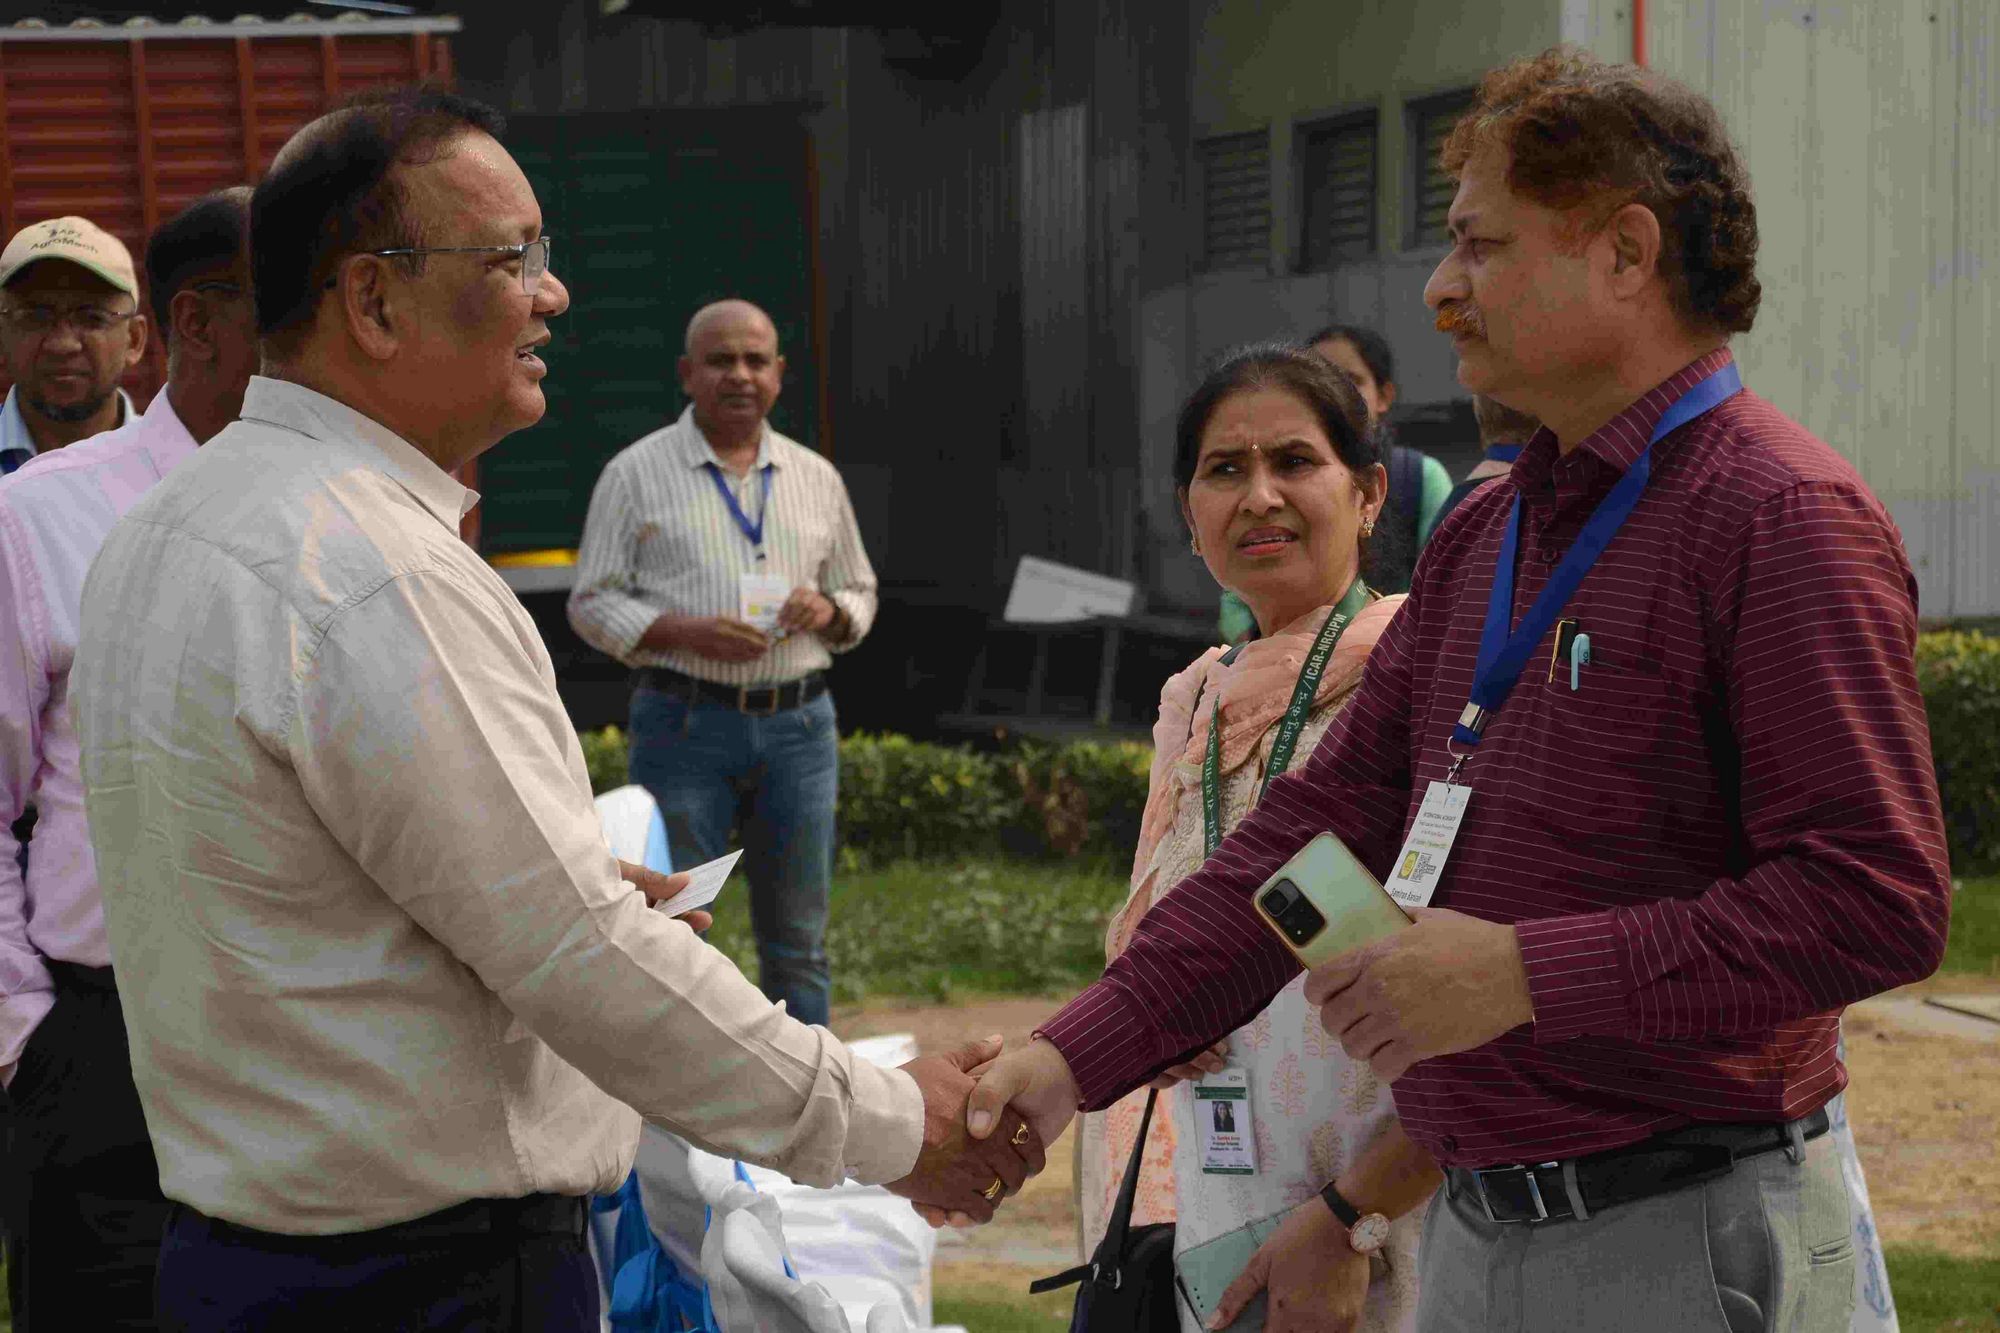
731, 315
732, 371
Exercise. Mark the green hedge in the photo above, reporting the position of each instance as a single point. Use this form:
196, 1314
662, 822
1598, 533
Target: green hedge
907, 800
903, 799
1960, 677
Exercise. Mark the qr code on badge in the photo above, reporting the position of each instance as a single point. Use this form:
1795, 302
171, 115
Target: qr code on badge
1417, 867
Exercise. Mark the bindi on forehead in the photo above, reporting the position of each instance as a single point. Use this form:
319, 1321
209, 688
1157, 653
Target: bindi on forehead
1249, 448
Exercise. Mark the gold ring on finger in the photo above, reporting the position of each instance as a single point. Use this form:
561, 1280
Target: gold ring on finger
992, 1192
1020, 1135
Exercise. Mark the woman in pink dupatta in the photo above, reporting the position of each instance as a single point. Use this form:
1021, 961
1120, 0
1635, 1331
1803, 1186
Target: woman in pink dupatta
1280, 485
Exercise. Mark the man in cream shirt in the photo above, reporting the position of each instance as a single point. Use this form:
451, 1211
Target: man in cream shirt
391, 1009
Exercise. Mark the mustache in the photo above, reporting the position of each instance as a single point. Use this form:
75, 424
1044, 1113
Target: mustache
1458, 317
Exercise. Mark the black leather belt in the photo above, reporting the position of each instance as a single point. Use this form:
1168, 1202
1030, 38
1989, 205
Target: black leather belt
744, 699
496, 1219
81, 976
1546, 1191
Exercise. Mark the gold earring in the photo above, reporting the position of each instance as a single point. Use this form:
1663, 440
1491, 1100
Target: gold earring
1368, 527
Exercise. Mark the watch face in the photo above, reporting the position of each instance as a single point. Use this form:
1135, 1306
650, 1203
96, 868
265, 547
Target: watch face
1369, 1234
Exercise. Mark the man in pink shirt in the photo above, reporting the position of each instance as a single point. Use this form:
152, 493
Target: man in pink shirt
79, 1185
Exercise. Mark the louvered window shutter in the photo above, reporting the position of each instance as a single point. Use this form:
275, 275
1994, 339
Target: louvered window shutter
1336, 190
1430, 124
1236, 201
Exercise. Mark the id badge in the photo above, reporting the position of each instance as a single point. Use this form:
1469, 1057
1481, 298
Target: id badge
760, 597
1222, 1121
1421, 862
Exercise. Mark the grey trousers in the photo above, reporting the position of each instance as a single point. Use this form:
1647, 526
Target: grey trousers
1766, 1249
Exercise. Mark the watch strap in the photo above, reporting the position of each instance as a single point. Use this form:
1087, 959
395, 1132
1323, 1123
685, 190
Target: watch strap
1342, 1209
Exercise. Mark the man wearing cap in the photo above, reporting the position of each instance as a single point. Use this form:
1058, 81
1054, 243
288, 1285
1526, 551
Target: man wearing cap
70, 327
79, 1185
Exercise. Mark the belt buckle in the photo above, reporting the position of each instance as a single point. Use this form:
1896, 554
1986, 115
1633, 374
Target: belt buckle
743, 702
1526, 1173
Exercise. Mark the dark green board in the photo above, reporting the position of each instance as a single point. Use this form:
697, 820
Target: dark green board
653, 214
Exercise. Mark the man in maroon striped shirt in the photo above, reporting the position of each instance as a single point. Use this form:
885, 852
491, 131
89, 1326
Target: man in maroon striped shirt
1615, 1026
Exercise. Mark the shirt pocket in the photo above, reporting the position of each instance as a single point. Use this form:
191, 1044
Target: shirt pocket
668, 542
1623, 755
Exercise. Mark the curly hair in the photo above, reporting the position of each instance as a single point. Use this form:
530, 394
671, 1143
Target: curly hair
1588, 137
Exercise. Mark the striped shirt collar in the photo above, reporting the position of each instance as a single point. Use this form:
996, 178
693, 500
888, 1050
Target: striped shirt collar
1618, 442
17, 445
294, 407
687, 445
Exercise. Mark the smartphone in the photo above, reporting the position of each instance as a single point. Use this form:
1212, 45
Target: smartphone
1323, 902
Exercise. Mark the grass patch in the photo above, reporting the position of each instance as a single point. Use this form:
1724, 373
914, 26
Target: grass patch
1940, 1293
939, 932
933, 932
989, 1307
1974, 946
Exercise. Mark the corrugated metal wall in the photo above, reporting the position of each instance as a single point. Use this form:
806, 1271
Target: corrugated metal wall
1872, 132
128, 131
982, 242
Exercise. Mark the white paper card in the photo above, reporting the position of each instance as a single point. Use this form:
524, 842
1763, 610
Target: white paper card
704, 882
759, 599
1045, 592
1222, 1122
1421, 862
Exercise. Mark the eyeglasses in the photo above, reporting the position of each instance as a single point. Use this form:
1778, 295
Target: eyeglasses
85, 319
534, 257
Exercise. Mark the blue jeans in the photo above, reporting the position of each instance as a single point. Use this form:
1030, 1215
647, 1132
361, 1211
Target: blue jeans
776, 779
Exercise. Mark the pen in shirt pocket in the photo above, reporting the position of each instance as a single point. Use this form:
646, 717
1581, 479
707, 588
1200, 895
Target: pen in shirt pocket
1571, 653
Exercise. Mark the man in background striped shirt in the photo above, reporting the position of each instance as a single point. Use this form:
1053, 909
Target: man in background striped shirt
691, 530
1702, 821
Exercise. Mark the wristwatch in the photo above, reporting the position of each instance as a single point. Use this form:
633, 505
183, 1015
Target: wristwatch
1366, 1232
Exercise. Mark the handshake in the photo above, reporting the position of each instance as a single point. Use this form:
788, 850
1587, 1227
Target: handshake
987, 1119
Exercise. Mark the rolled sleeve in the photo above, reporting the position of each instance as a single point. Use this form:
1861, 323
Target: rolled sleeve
848, 579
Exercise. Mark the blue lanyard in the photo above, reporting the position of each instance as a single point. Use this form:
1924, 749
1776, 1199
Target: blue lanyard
1503, 656
753, 531
1503, 453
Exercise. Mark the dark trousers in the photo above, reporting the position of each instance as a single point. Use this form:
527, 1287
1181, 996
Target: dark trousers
82, 1191
507, 1267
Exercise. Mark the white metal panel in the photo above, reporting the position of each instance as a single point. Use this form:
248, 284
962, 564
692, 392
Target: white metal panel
1974, 276
1907, 450
1876, 329
1772, 123
1835, 305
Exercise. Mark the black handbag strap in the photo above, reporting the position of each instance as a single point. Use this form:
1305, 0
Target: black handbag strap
1111, 1250
1128, 1189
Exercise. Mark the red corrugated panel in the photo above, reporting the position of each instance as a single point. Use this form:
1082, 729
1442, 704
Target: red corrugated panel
70, 128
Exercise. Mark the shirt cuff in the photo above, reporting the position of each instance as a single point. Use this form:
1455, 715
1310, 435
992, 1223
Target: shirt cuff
1576, 975
852, 606
1106, 1042
619, 623
885, 1129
